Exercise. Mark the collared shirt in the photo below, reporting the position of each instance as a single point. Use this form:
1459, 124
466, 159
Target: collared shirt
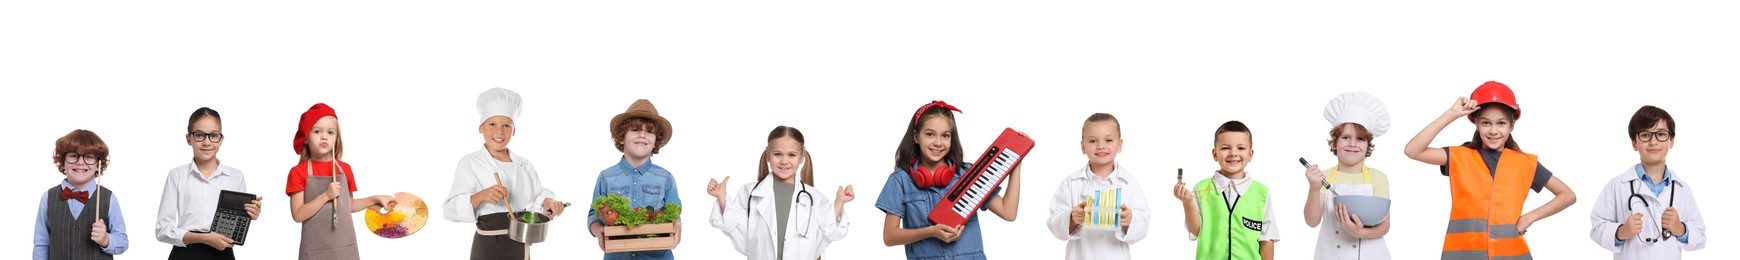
900, 197
1095, 244
644, 185
1655, 186
190, 200
1271, 229
117, 226
477, 171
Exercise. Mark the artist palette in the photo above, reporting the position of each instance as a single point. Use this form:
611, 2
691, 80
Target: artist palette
401, 220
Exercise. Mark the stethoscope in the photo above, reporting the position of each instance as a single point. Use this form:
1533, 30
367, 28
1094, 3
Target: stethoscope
803, 196
1637, 198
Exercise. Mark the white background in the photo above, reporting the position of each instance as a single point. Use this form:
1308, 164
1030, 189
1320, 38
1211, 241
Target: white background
403, 76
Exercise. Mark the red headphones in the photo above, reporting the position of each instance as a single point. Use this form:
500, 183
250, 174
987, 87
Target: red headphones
926, 178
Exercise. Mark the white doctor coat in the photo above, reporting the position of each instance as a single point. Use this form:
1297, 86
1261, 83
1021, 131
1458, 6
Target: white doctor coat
1094, 244
1610, 211
750, 222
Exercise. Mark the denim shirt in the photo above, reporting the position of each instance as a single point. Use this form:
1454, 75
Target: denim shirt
647, 185
901, 197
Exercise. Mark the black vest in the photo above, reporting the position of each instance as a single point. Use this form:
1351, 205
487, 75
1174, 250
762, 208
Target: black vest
71, 239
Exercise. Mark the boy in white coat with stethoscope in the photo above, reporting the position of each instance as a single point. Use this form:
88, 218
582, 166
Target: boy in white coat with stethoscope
778, 217
1356, 118
1648, 212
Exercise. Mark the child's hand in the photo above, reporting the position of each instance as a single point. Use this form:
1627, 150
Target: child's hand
717, 188
100, 233
1078, 215
492, 194
218, 241
945, 233
253, 209
554, 207
1349, 221
600, 236
1183, 193
845, 194
1315, 176
1523, 222
1463, 107
383, 201
333, 190
1670, 220
1124, 216
1632, 226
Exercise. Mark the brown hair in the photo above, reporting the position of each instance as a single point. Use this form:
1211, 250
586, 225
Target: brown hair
1103, 117
633, 123
1359, 132
83, 142
807, 174
1236, 127
1509, 114
1646, 117
908, 151
337, 143
204, 112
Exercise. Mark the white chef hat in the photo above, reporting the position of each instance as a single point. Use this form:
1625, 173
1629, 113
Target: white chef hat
498, 102
1359, 108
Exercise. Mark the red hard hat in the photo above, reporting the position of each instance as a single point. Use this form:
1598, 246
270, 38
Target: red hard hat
1494, 92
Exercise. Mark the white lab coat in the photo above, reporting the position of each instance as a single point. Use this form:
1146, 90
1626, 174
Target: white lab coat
1333, 242
750, 222
1610, 211
1097, 244
476, 171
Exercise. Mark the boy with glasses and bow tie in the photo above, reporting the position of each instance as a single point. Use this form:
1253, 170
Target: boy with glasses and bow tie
73, 222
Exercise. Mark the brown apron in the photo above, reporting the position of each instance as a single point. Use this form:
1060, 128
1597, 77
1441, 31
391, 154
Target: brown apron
320, 240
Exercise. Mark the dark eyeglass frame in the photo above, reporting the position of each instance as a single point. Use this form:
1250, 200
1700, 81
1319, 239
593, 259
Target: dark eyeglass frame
216, 137
1657, 136
75, 157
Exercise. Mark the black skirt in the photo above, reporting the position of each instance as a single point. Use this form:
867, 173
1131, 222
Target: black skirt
201, 252
495, 247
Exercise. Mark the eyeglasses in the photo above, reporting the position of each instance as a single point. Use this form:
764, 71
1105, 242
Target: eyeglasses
82, 158
1657, 136
201, 137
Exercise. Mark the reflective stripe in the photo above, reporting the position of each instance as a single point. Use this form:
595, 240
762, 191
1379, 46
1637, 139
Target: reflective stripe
1464, 254
1469, 225
1520, 257
1503, 231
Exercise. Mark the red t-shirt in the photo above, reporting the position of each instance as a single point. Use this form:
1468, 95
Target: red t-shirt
299, 175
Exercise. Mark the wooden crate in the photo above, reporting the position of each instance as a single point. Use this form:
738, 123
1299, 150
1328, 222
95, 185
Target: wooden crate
613, 242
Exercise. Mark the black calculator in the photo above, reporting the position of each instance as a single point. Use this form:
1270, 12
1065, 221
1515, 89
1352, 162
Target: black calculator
232, 218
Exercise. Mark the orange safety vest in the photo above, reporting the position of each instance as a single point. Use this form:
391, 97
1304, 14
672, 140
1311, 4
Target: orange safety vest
1485, 206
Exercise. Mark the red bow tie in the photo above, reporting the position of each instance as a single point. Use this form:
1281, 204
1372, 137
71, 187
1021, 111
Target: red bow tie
67, 193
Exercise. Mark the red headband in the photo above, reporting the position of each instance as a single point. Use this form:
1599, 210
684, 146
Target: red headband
313, 114
933, 103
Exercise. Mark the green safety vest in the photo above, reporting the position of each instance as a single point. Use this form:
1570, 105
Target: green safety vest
1230, 234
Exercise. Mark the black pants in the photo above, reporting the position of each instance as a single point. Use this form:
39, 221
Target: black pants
495, 247
201, 252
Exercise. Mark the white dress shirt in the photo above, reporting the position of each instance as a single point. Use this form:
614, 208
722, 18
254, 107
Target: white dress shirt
477, 170
1098, 244
190, 200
